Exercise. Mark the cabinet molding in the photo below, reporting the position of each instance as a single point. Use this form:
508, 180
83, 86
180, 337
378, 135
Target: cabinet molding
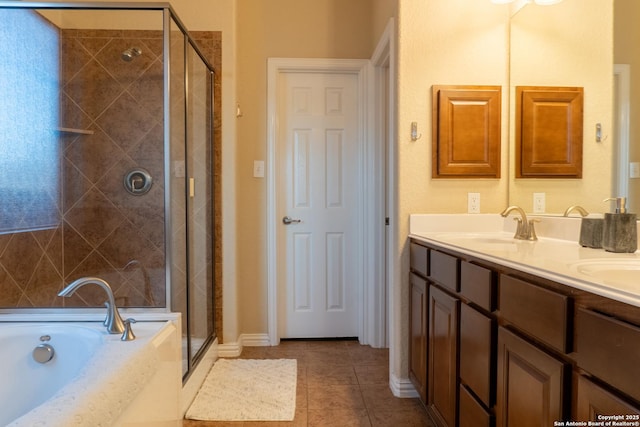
466, 131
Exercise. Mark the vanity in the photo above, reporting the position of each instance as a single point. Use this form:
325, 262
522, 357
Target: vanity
511, 332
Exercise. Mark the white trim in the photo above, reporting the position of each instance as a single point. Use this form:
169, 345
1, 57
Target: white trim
622, 72
275, 66
402, 387
377, 261
234, 349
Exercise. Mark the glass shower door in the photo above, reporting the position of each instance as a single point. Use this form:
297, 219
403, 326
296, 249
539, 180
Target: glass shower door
199, 201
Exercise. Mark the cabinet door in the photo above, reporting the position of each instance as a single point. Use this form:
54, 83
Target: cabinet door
531, 384
443, 349
593, 401
477, 360
418, 334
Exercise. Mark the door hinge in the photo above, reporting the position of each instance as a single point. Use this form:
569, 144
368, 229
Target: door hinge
386, 221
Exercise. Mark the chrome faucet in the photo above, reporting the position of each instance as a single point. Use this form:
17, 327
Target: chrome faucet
578, 208
113, 321
525, 229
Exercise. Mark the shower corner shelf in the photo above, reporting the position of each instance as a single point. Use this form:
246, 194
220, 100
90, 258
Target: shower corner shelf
76, 131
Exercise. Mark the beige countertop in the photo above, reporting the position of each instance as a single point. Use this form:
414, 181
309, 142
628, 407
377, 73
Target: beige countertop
556, 255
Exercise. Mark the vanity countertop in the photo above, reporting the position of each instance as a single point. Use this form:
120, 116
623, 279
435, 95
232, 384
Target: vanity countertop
556, 255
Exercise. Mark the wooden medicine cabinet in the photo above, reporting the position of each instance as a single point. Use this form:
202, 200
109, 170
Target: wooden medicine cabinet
466, 131
549, 132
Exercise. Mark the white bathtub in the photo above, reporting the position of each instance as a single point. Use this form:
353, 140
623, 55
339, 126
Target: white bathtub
94, 379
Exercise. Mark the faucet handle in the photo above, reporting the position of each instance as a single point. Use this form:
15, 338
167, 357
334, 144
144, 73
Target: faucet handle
128, 334
531, 235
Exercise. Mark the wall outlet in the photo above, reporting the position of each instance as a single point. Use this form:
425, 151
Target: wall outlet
473, 202
538, 202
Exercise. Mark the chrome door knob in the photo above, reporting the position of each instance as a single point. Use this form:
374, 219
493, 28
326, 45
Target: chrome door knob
287, 220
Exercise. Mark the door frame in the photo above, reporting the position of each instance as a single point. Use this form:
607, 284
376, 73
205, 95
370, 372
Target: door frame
359, 68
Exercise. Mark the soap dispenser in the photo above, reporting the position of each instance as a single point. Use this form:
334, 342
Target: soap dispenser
619, 233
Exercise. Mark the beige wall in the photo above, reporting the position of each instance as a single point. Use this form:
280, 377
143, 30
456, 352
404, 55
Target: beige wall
278, 28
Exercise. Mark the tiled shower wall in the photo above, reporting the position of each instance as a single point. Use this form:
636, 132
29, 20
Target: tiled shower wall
104, 231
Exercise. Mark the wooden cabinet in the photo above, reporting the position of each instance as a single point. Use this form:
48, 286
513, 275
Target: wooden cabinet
600, 340
494, 346
443, 356
418, 337
531, 384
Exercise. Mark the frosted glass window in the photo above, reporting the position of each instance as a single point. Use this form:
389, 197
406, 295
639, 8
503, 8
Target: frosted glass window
29, 141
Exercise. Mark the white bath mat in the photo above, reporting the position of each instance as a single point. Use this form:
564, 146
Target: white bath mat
247, 390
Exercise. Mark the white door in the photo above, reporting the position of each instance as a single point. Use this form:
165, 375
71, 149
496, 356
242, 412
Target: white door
317, 181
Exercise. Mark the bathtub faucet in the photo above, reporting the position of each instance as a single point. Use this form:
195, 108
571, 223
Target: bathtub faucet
113, 321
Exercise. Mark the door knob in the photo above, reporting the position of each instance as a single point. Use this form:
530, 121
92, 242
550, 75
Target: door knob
287, 220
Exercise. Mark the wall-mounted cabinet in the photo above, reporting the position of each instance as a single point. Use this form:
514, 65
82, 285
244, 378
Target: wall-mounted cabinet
466, 131
549, 132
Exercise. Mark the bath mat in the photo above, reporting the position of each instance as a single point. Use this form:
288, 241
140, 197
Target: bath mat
247, 390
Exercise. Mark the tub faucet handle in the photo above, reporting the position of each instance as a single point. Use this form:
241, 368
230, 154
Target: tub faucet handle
128, 334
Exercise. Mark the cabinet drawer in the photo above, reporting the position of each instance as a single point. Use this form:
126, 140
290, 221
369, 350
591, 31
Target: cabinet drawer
472, 414
444, 270
477, 285
536, 311
609, 349
476, 356
418, 255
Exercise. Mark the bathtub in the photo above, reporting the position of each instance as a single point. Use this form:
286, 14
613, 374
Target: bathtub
94, 378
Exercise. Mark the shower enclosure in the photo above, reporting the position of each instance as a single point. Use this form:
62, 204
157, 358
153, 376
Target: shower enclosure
107, 154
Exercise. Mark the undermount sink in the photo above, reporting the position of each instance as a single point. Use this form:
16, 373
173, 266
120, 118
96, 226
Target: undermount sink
481, 241
623, 273
477, 237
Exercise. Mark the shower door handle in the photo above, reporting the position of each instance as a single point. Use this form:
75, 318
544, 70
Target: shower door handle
287, 220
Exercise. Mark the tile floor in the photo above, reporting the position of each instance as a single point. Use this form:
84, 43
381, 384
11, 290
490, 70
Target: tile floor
340, 383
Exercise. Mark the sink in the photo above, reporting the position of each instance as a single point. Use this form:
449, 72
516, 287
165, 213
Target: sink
621, 273
477, 237
481, 241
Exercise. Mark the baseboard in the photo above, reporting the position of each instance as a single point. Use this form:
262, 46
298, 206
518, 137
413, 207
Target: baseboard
255, 340
234, 349
402, 387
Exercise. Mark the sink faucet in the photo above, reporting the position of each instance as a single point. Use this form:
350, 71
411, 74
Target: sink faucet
113, 321
578, 208
525, 229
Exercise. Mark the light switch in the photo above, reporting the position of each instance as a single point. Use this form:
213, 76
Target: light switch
258, 168
634, 170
